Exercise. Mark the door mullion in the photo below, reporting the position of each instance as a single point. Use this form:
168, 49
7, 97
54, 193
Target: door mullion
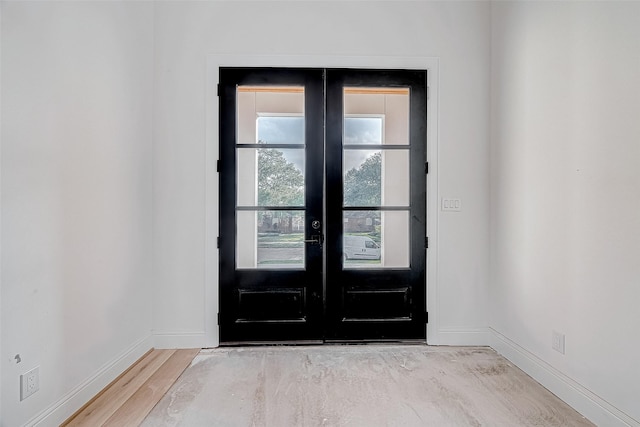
333, 201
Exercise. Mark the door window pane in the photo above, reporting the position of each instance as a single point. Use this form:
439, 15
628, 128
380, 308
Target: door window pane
273, 114
376, 177
362, 177
395, 178
389, 104
363, 130
270, 177
270, 239
280, 129
375, 239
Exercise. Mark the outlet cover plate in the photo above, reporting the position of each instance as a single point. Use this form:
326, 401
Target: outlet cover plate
29, 383
557, 342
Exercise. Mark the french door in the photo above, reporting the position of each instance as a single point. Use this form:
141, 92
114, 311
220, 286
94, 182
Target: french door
322, 205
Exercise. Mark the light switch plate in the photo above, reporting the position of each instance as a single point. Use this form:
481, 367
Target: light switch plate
451, 205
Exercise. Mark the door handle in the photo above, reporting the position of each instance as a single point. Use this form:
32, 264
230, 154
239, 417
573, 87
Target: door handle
317, 239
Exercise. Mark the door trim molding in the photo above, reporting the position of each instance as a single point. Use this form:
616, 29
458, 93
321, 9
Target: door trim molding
213, 63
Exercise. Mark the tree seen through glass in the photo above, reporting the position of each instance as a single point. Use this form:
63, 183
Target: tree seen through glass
280, 182
363, 185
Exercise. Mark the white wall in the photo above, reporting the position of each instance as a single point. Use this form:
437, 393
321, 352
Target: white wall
565, 198
76, 199
86, 87
187, 33
1, 347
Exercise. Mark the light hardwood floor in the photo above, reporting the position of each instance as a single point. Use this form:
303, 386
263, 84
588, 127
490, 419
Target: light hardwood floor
129, 398
372, 385
368, 386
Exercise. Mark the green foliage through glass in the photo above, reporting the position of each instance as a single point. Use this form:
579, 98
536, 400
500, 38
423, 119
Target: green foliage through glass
362, 185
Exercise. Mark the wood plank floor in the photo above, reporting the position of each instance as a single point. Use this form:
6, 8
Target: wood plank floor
373, 385
129, 398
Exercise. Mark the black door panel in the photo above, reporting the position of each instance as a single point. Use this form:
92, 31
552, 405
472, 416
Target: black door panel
339, 267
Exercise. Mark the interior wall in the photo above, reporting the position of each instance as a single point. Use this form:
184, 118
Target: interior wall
1, 347
80, 82
76, 199
565, 228
186, 33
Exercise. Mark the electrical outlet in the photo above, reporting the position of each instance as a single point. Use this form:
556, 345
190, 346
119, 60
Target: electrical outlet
29, 383
557, 342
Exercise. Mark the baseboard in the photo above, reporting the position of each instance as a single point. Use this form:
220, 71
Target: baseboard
61, 410
597, 410
465, 337
183, 340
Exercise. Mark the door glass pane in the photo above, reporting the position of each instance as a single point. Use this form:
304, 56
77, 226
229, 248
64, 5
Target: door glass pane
270, 176
376, 177
363, 130
280, 129
389, 106
270, 239
273, 115
273, 176
395, 178
362, 177
376, 239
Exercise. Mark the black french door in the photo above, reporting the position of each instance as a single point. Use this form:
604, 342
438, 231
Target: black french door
322, 205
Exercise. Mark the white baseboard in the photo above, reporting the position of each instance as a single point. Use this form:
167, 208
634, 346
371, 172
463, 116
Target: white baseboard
57, 413
183, 340
577, 396
465, 337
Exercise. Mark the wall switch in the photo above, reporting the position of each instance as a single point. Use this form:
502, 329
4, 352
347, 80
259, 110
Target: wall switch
451, 205
557, 342
29, 383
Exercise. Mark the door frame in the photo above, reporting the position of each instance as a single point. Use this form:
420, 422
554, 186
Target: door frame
209, 337
279, 304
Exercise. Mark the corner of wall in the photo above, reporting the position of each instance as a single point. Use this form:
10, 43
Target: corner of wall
459, 336
169, 340
576, 395
61, 410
